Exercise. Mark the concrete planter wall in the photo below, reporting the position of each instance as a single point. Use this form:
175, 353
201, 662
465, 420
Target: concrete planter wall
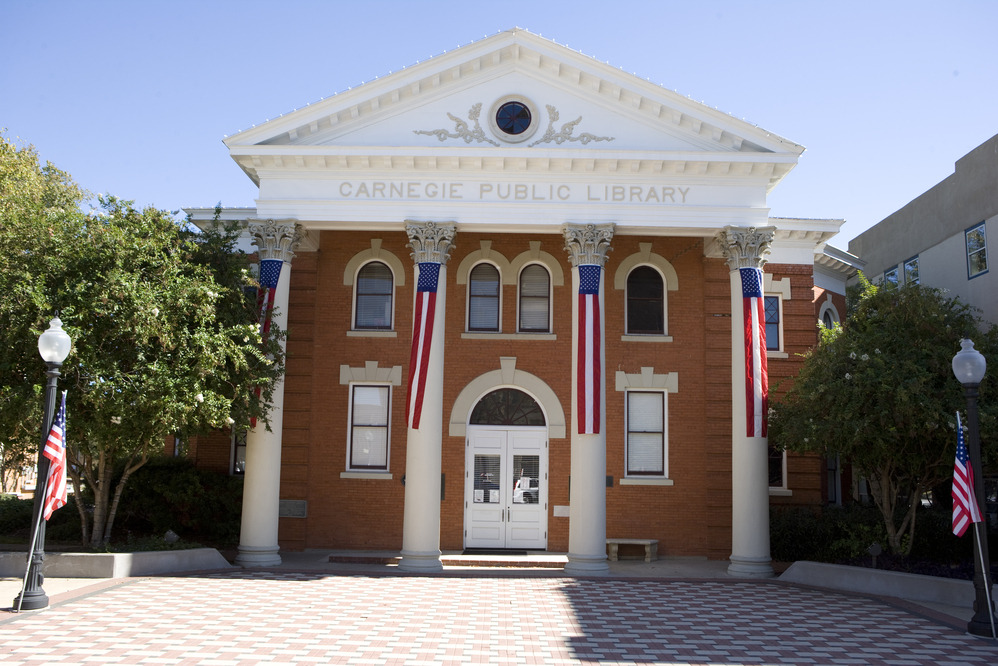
116, 565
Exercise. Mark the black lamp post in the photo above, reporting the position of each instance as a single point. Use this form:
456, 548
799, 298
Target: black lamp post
969, 367
53, 345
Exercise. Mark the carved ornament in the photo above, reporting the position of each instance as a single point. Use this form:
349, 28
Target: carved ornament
430, 241
746, 247
565, 133
462, 130
588, 244
276, 240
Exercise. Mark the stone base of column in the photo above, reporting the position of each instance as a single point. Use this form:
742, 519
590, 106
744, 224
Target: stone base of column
587, 565
748, 567
420, 561
258, 556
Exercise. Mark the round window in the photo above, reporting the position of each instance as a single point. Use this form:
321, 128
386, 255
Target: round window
513, 119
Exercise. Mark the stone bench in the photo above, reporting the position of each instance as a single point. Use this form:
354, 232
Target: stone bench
613, 546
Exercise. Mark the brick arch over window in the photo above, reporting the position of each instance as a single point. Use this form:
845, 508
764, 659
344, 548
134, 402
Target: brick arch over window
486, 254
507, 377
646, 257
537, 256
376, 253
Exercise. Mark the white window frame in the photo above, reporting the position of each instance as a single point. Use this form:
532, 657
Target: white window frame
665, 302
350, 428
983, 249
237, 440
891, 276
781, 490
356, 287
779, 324
664, 474
519, 296
499, 283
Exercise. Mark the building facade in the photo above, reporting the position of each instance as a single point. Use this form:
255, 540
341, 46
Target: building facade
940, 238
521, 288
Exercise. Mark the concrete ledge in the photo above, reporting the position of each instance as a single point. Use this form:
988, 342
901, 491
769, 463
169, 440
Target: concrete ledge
913, 587
116, 565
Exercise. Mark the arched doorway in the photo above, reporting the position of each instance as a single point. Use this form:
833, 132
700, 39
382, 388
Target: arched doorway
506, 472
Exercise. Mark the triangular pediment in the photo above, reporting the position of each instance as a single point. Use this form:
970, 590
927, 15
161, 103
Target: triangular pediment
583, 114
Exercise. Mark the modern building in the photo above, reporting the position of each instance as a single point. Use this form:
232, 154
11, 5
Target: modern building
524, 294
940, 238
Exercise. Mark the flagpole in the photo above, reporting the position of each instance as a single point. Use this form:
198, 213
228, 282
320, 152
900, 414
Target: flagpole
34, 538
987, 588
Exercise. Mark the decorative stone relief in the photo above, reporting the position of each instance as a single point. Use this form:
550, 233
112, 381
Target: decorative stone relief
565, 133
430, 242
588, 244
277, 240
746, 247
462, 130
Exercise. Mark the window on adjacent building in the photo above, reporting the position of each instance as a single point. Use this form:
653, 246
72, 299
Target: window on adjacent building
238, 452
777, 467
369, 417
646, 433
772, 323
911, 271
645, 302
483, 298
535, 297
977, 250
375, 284
891, 277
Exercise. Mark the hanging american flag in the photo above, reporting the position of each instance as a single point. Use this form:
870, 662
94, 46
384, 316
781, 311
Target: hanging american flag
590, 351
965, 509
55, 451
270, 274
756, 371
422, 337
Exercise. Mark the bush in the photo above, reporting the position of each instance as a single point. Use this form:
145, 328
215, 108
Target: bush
15, 517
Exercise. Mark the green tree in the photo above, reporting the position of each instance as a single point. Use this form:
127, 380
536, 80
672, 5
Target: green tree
880, 392
165, 340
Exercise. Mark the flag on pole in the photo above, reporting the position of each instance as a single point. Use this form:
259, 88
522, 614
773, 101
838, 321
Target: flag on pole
422, 338
590, 352
756, 371
55, 451
270, 274
965, 509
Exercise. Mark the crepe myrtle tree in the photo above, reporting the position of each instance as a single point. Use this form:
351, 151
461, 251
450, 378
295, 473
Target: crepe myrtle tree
879, 392
165, 337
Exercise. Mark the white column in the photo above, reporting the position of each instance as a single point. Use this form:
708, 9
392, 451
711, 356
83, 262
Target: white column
587, 247
431, 244
750, 556
262, 480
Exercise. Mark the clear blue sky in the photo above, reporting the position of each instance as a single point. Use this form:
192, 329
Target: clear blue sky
134, 97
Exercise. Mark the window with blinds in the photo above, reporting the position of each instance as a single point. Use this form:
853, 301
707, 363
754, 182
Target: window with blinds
373, 309
645, 302
483, 298
646, 441
535, 299
369, 416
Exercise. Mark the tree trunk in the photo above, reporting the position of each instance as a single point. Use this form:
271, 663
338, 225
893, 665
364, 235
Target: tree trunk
130, 467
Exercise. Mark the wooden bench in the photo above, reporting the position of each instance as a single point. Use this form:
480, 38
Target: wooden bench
651, 548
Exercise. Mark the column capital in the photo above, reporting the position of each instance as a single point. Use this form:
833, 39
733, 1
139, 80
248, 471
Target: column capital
746, 247
276, 240
430, 241
588, 243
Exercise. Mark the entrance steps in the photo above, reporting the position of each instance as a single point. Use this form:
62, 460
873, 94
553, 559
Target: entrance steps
495, 560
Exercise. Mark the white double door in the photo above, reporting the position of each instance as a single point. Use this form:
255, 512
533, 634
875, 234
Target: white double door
506, 487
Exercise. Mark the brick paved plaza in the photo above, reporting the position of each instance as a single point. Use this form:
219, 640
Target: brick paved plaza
282, 617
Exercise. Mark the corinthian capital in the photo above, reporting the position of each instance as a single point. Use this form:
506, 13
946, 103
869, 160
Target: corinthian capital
430, 242
746, 247
588, 243
276, 240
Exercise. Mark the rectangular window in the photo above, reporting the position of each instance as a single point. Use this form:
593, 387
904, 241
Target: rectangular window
911, 271
891, 277
977, 251
238, 452
772, 323
777, 467
646, 433
369, 417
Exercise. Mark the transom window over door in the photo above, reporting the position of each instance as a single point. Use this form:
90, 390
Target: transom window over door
375, 286
507, 407
645, 302
483, 298
535, 290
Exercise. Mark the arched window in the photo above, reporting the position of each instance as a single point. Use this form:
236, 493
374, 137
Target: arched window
535, 296
483, 298
508, 407
645, 302
373, 309
827, 319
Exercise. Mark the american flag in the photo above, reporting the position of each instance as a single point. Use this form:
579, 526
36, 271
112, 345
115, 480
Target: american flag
270, 274
422, 338
590, 353
965, 509
756, 372
55, 451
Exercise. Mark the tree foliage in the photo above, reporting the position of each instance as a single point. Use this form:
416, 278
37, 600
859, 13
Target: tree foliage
165, 340
879, 391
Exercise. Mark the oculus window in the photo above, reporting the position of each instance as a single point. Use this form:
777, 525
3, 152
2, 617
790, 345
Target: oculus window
483, 298
645, 302
369, 415
373, 308
646, 433
535, 295
977, 250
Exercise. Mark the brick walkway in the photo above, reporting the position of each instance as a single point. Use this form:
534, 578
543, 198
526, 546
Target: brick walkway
250, 617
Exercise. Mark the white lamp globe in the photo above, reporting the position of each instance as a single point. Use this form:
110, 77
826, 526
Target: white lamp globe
54, 344
969, 365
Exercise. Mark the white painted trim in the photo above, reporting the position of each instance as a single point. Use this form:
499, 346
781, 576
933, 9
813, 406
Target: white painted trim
642, 481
